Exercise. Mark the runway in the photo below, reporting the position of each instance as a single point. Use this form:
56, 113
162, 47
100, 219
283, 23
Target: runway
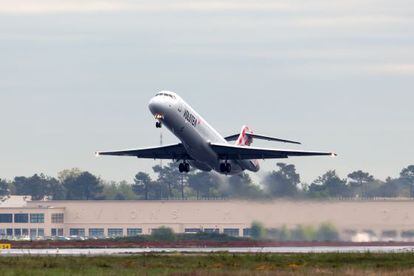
235, 250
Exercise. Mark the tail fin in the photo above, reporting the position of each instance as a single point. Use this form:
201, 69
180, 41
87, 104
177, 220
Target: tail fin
244, 139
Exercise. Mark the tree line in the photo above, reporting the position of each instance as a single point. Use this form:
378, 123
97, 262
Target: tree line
168, 183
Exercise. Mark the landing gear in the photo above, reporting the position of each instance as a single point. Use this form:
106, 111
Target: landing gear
184, 167
225, 168
158, 117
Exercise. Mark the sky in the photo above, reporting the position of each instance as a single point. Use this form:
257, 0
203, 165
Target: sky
76, 77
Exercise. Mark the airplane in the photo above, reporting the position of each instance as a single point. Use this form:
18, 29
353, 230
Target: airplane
202, 146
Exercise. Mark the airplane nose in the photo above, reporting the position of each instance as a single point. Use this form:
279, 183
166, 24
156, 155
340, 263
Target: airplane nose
155, 106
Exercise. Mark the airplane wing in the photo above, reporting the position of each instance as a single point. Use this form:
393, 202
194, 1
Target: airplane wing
261, 137
233, 152
173, 152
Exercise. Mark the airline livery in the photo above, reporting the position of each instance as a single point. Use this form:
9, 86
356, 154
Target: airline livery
201, 145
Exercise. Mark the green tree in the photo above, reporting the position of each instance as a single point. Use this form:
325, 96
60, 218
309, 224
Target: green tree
258, 231
142, 185
118, 191
126, 190
84, 186
407, 176
329, 185
279, 234
242, 186
163, 234
327, 232
391, 188
372, 188
303, 233
170, 182
69, 173
109, 190
120, 196
205, 184
283, 182
37, 186
56, 190
359, 181
4, 188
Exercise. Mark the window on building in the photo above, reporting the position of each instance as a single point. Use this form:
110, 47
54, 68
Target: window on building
56, 232
115, 232
247, 232
9, 232
40, 232
33, 232
2, 232
192, 230
211, 230
37, 218
17, 232
6, 218
57, 218
134, 232
233, 232
80, 232
389, 234
21, 218
25, 232
96, 232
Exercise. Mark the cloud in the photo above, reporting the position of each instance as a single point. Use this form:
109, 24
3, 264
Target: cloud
294, 6
351, 21
77, 6
393, 69
36, 7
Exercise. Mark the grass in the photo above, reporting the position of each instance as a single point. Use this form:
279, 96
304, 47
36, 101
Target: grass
209, 264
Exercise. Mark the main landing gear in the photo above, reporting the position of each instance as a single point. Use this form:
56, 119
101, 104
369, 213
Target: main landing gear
225, 167
158, 124
184, 167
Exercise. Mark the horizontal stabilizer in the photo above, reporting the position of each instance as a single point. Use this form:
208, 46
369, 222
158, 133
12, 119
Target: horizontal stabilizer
234, 152
261, 137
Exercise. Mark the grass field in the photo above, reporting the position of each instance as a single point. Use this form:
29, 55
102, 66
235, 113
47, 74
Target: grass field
212, 264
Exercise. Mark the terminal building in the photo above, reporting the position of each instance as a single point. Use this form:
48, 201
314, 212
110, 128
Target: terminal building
21, 217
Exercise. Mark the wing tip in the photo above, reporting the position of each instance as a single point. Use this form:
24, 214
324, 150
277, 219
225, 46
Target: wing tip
97, 153
334, 154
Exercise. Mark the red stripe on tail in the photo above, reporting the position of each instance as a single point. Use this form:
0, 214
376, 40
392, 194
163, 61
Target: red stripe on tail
244, 140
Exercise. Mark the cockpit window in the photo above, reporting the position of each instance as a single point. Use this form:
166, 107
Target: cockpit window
165, 94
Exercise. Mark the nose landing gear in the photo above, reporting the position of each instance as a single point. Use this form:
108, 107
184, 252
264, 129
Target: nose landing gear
225, 167
158, 117
184, 167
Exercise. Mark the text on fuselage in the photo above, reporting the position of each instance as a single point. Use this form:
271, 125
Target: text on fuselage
190, 118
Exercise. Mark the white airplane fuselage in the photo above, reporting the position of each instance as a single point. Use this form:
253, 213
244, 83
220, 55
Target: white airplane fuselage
194, 133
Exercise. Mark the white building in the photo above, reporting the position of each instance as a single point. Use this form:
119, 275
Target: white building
19, 216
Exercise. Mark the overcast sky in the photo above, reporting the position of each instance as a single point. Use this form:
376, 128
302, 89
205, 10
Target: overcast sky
76, 77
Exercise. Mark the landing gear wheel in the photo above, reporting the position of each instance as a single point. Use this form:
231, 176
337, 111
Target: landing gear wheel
228, 168
184, 167
225, 168
181, 167
158, 124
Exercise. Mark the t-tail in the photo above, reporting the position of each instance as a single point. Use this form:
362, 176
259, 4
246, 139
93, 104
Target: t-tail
244, 138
